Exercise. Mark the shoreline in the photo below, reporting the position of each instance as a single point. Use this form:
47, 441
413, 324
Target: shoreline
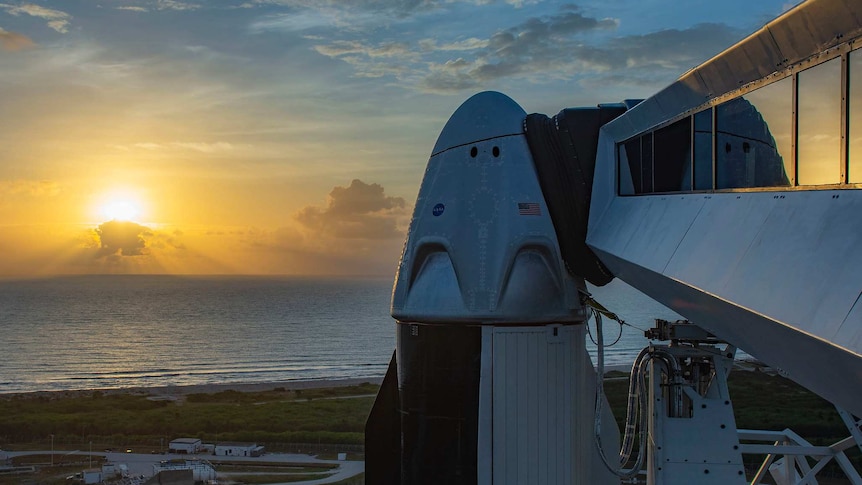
179, 392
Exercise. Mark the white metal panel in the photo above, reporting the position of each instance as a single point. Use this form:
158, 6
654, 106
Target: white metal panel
543, 395
719, 238
484, 458
849, 330
791, 256
822, 366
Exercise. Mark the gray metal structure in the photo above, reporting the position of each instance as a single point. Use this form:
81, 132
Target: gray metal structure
732, 197
777, 271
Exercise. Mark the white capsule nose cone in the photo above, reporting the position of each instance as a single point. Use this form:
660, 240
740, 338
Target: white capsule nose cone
481, 246
486, 115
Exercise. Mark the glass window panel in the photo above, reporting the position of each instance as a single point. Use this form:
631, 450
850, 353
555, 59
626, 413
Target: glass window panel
672, 157
631, 152
753, 138
819, 125
646, 163
703, 150
854, 149
625, 172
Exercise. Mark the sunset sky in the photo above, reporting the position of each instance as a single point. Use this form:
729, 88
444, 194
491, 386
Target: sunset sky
286, 136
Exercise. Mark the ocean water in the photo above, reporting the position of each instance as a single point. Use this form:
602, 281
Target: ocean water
88, 332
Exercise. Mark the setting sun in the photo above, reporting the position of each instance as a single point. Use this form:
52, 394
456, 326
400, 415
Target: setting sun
119, 206
121, 210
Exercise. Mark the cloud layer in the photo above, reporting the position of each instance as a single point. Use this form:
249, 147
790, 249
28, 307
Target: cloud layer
358, 211
232, 117
12, 41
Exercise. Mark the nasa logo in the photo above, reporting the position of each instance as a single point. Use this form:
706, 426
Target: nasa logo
438, 210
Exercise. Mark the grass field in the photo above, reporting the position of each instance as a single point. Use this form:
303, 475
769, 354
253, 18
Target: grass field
129, 421
280, 419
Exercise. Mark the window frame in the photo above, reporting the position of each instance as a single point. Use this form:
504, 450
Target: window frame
841, 51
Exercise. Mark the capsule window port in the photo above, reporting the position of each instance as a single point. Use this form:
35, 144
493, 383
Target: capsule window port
474, 151
496, 152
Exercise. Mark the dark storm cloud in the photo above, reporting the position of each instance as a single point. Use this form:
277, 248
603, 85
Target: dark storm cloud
359, 211
123, 238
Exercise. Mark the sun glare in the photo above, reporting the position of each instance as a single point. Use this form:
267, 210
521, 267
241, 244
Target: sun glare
121, 210
120, 206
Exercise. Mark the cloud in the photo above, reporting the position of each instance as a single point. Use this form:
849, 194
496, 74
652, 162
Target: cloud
399, 50
429, 45
359, 211
203, 147
396, 8
670, 48
13, 41
122, 238
539, 44
162, 5
175, 5
35, 188
567, 45
57, 20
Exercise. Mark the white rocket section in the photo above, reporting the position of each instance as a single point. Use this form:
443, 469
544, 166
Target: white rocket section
481, 246
539, 390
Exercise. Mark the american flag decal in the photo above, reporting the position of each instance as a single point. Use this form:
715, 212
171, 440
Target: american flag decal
529, 209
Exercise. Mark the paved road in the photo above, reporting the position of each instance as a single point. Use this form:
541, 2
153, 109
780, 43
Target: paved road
142, 464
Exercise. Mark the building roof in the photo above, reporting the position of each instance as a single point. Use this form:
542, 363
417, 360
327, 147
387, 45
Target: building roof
188, 441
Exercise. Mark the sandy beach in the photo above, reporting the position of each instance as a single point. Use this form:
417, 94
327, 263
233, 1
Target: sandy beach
178, 393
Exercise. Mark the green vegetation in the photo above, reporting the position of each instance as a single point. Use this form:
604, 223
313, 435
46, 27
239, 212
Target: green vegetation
64, 465
762, 401
317, 416
118, 421
121, 421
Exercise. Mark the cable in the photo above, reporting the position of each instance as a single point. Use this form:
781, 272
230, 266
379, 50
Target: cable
619, 336
597, 424
636, 411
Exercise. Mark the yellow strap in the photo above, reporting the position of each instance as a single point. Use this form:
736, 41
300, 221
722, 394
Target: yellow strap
601, 309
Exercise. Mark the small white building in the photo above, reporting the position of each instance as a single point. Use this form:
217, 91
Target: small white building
189, 446
238, 449
110, 470
92, 476
202, 470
